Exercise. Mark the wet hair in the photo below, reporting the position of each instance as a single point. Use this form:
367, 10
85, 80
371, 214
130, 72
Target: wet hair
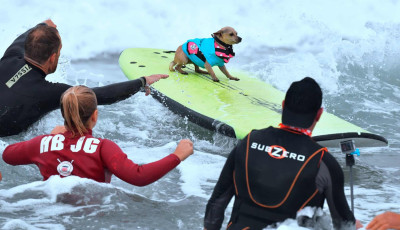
78, 103
42, 41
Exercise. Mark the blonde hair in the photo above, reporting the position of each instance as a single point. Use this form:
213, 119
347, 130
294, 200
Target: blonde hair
77, 105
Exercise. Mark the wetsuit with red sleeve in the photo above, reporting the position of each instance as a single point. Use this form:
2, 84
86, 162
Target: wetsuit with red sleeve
26, 96
86, 157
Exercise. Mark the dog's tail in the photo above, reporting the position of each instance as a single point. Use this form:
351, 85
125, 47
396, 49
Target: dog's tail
171, 66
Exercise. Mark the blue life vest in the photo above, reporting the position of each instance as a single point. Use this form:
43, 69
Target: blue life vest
199, 50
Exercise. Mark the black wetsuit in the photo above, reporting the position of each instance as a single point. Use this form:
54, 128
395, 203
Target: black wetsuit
272, 175
26, 96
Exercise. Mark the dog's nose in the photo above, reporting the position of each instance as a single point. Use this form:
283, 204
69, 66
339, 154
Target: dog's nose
239, 39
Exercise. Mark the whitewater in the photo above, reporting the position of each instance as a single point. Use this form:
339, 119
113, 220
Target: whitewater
350, 47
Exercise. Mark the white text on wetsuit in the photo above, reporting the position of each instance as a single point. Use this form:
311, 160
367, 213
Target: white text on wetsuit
54, 143
277, 152
24, 70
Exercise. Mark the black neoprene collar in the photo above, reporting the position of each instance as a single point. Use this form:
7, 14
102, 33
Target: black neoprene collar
229, 48
221, 42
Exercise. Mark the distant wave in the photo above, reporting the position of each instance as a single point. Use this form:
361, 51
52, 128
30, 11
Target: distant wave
90, 28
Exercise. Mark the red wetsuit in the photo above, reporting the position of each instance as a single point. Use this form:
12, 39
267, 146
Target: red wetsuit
90, 157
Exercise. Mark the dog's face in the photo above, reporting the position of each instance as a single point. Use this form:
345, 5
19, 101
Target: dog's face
228, 35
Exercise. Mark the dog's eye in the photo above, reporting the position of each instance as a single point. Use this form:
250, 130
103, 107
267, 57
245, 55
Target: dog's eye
231, 34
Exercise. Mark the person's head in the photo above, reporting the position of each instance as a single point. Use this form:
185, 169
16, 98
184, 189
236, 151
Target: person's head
302, 104
79, 109
43, 45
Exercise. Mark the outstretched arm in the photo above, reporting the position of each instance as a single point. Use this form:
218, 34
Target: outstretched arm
330, 181
140, 175
21, 153
120, 91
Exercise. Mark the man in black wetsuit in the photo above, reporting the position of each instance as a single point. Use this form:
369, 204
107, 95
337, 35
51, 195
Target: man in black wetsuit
26, 96
275, 172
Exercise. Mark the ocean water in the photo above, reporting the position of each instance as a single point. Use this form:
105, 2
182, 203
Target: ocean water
350, 47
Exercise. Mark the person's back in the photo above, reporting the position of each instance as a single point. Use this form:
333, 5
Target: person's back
275, 172
62, 154
74, 151
20, 81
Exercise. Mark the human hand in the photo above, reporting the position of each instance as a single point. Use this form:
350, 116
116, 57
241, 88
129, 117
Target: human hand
58, 129
49, 22
151, 79
154, 78
387, 220
358, 224
184, 149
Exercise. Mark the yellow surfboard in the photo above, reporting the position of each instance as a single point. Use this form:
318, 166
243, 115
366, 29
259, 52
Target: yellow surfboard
230, 107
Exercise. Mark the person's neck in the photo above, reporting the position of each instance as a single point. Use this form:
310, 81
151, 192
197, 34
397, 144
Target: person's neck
38, 65
305, 131
312, 126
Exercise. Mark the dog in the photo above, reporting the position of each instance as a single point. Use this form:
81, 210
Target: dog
207, 52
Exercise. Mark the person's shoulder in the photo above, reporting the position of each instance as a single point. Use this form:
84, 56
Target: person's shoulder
109, 148
264, 130
330, 160
12, 54
104, 139
40, 137
256, 133
329, 157
108, 143
11, 64
101, 140
35, 141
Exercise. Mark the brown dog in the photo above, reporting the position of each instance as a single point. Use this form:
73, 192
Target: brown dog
208, 52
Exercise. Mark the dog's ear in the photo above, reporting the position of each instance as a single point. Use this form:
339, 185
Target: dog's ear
218, 33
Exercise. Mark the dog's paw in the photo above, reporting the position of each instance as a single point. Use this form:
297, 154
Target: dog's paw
234, 79
181, 71
215, 79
